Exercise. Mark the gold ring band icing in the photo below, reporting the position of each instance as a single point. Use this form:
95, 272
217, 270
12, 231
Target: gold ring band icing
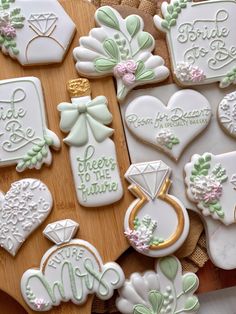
165, 197
156, 223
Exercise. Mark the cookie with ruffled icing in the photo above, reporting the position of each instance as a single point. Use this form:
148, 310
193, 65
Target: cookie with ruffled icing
119, 47
165, 290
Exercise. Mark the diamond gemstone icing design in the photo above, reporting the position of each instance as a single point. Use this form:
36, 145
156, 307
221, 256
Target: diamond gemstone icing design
43, 22
149, 176
61, 231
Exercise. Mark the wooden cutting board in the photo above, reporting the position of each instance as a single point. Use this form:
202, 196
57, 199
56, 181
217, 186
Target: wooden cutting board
102, 227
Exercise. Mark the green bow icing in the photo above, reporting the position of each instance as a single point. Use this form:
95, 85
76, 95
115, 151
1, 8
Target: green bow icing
75, 118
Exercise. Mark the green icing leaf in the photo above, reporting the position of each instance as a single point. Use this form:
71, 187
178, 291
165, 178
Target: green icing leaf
5, 6
229, 78
15, 51
140, 68
156, 300
48, 140
191, 304
175, 141
111, 49
170, 8
106, 16
169, 267
36, 154
201, 167
190, 283
173, 12
141, 309
103, 64
165, 24
133, 25
146, 76
145, 40
169, 145
15, 12
215, 207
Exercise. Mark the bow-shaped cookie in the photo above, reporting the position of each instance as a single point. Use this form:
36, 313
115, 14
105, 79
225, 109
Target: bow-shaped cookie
76, 117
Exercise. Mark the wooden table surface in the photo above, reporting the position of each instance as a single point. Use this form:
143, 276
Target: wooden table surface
102, 227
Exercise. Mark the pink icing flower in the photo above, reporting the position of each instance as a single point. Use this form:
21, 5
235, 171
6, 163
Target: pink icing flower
126, 71
197, 74
186, 72
39, 303
213, 194
128, 79
120, 70
206, 188
139, 238
131, 66
8, 31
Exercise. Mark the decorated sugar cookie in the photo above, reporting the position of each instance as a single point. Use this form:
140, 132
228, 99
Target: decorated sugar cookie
121, 48
25, 139
29, 29
210, 184
227, 114
170, 128
74, 266
156, 223
165, 290
22, 209
201, 40
92, 152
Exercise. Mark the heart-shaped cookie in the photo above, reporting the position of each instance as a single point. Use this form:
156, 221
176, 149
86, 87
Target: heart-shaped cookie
22, 209
169, 128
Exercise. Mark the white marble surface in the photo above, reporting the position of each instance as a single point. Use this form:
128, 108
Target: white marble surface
218, 302
222, 246
212, 140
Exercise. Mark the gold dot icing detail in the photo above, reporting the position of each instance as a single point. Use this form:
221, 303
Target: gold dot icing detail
79, 87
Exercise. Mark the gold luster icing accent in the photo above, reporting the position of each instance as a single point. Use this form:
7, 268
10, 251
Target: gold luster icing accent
79, 87
166, 198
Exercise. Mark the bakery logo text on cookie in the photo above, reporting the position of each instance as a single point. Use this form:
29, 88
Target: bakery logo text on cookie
212, 33
175, 117
96, 173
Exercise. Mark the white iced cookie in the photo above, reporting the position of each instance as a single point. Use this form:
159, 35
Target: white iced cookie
74, 267
119, 47
22, 209
227, 114
156, 223
201, 40
170, 127
30, 29
210, 184
25, 139
92, 152
166, 290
